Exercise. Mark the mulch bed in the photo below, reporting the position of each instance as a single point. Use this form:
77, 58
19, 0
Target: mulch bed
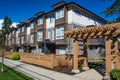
64, 69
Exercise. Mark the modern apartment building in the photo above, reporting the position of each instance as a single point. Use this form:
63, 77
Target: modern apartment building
44, 33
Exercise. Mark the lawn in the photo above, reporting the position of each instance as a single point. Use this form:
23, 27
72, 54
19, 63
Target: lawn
11, 74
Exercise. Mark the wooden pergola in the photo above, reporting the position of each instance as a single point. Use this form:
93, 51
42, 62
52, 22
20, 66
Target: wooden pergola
110, 32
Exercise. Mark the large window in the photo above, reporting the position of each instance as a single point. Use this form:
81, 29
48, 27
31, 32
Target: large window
18, 30
60, 32
13, 41
18, 40
51, 34
32, 25
51, 18
22, 40
32, 38
40, 36
40, 21
23, 28
59, 13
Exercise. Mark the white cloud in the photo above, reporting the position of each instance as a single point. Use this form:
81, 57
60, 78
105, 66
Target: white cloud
1, 21
14, 24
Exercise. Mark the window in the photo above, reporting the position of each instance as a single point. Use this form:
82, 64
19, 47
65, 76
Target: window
32, 25
60, 32
12, 32
22, 40
40, 36
40, 21
12, 41
18, 40
59, 13
50, 34
32, 38
53, 34
22, 28
51, 18
18, 30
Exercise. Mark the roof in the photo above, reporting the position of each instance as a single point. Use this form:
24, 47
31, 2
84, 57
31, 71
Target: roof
61, 3
51, 12
31, 19
86, 10
39, 13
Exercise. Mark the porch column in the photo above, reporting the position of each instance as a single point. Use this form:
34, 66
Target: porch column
85, 63
108, 58
117, 62
75, 56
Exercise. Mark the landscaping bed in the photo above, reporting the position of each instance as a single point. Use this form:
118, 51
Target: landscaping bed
11, 74
95, 64
64, 69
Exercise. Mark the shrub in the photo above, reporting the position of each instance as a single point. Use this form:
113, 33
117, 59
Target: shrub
15, 56
115, 73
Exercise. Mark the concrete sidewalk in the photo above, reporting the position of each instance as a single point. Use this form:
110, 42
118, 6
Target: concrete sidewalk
39, 73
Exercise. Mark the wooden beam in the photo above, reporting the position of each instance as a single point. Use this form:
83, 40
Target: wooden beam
117, 62
108, 56
75, 54
85, 63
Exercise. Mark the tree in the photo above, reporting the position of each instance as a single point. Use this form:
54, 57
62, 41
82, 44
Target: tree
113, 9
5, 29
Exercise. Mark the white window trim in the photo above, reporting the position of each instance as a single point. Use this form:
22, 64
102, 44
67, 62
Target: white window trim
40, 36
59, 33
40, 21
32, 38
60, 13
32, 25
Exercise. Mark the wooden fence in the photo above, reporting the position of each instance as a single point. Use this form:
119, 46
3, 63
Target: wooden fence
38, 59
46, 60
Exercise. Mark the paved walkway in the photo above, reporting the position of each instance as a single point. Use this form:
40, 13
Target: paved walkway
44, 74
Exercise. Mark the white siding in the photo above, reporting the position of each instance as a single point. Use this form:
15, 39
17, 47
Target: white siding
81, 19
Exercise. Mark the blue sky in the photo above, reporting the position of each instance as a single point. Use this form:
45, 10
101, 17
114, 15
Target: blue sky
18, 10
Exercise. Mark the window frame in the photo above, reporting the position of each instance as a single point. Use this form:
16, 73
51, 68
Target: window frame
59, 32
40, 21
22, 39
51, 17
32, 25
59, 13
23, 28
31, 38
40, 36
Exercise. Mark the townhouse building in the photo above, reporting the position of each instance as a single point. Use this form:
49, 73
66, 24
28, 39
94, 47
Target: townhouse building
44, 33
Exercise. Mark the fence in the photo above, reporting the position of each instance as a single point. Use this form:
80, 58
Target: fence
38, 59
6, 54
46, 60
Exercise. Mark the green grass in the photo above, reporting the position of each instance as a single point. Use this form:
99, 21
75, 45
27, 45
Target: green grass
11, 74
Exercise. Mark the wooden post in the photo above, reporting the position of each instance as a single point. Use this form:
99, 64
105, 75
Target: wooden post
75, 56
85, 63
108, 57
117, 62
